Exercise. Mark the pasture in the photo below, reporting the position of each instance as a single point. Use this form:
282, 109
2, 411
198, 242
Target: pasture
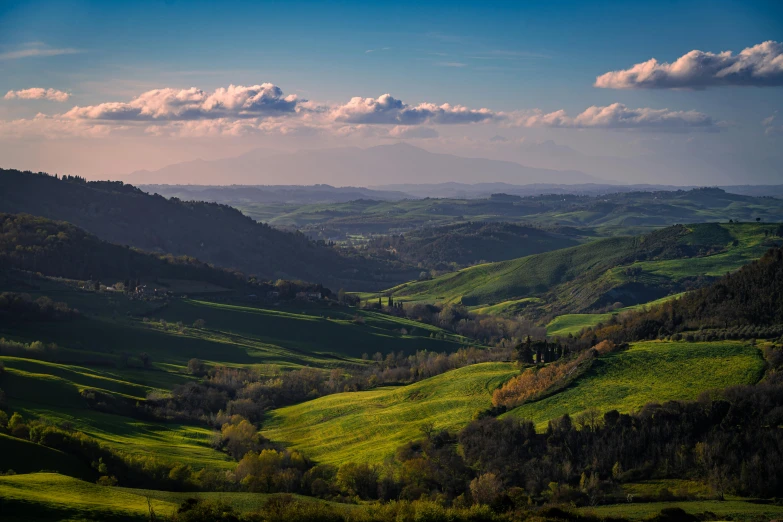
652, 371
368, 426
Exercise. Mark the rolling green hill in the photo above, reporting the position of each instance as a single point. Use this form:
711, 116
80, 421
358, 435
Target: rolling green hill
650, 372
563, 325
609, 214
630, 270
50, 496
369, 426
99, 353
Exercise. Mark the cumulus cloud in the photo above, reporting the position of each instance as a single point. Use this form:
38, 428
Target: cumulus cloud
388, 110
236, 101
408, 132
618, 116
759, 66
38, 93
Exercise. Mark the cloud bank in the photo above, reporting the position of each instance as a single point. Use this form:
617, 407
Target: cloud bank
618, 116
236, 101
38, 93
758, 66
239, 110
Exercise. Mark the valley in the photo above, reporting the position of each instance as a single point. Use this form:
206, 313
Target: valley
134, 379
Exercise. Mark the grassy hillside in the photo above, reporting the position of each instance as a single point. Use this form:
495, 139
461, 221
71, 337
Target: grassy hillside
566, 324
38, 389
369, 426
650, 372
50, 496
630, 270
91, 351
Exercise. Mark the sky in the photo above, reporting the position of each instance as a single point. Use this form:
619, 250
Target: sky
683, 92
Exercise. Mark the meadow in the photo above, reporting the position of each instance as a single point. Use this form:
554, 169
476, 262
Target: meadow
647, 372
369, 426
51, 496
565, 324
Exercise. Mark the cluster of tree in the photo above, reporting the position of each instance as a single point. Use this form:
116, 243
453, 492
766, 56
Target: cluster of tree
742, 303
32, 350
251, 392
21, 306
491, 330
534, 382
214, 233
287, 508
455, 246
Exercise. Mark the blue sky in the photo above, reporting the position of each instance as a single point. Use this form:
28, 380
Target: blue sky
509, 57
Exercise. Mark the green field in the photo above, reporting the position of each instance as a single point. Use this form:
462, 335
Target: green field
566, 324
49, 496
368, 426
650, 372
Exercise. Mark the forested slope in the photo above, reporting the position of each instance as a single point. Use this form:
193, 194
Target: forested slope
214, 233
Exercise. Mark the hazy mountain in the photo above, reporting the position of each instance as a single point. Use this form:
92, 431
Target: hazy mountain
384, 164
291, 194
697, 165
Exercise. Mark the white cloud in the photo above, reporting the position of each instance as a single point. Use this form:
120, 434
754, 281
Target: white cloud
54, 127
618, 116
771, 125
409, 132
35, 50
450, 64
264, 109
388, 110
236, 101
38, 93
759, 66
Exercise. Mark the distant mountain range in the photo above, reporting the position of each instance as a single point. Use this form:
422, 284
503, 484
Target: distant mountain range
289, 194
381, 165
